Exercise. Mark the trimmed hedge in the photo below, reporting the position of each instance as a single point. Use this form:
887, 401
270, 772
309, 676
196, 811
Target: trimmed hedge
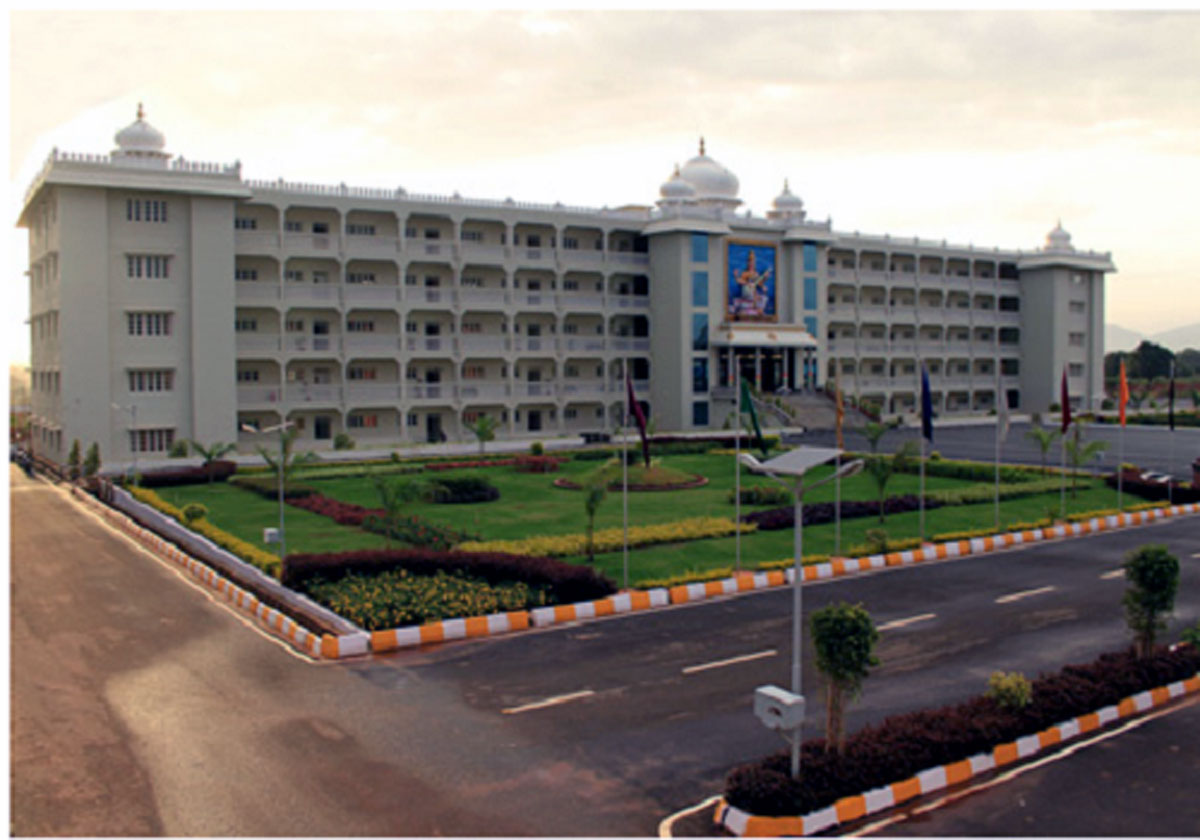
1133, 483
268, 487
965, 470
464, 490
566, 583
819, 513
903, 745
769, 494
417, 532
538, 463
215, 471
612, 539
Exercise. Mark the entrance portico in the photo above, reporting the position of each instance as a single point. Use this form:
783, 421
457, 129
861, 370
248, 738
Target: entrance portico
771, 357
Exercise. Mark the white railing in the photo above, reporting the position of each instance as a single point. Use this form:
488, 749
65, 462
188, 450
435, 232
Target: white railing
629, 259
320, 293
374, 392
300, 392
259, 394
623, 345
256, 292
430, 344
534, 345
577, 300
248, 343
482, 390
489, 253
477, 344
370, 293
472, 296
631, 301
311, 241
533, 389
574, 255
358, 245
536, 255
249, 240
366, 343
429, 391
536, 298
428, 294
312, 344
589, 388
583, 345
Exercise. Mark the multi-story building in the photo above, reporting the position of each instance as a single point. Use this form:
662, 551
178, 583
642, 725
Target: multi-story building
172, 299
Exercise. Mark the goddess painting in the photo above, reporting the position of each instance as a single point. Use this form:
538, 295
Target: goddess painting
751, 284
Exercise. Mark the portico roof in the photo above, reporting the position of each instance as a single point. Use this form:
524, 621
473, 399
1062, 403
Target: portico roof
762, 335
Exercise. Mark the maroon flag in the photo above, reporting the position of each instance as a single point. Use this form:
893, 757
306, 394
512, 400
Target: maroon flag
1066, 403
635, 410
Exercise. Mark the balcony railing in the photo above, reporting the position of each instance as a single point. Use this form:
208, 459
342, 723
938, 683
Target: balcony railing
576, 300
323, 294
372, 246
629, 259
429, 294
534, 345
255, 242
471, 296
386, 393
537, 299
360, 343
430, 344
483, 253
585, 388
522, 390
313, 344
625, 345
300, 392
260, 343
429, 391
366, 293
256, 292
248, 395
583, 345
476, 390
311, 241
630, 301
482, 344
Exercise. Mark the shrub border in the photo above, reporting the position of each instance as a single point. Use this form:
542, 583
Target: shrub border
851, 808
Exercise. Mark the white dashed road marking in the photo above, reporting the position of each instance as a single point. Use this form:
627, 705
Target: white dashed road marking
552, 701
749, 657
904, 622
1028, 593
1115, 573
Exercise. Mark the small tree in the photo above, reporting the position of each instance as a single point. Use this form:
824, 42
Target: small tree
1044, 438
881, 468
393, 496
211, 454
73, 461
484, 429
287, 460
594, 493
179, 449
91, 461
1152, 577
1080, 453
844, 638
192, 512
342, 440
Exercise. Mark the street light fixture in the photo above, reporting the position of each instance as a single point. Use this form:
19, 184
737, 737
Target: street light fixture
281, 428
133, 438
778, 709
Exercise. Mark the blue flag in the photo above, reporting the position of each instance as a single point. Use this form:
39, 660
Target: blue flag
926, 406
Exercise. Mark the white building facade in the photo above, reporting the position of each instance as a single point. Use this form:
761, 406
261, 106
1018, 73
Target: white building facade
172, 300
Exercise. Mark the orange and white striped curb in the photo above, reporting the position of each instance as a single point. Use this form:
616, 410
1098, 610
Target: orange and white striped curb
328, 646
454, 628
632, 601
850, 808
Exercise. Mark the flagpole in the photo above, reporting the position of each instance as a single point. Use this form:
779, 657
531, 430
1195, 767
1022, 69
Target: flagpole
1062, 476
737, 463
921, 395
1120, 469
1171, 437
837, 484
999, 396
625, 485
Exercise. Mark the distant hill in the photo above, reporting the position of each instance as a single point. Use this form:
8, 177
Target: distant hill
1117, 338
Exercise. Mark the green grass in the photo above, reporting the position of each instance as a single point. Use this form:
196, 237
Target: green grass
530, 504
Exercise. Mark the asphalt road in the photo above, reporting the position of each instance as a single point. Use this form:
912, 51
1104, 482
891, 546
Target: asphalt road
1150, 447
142, 706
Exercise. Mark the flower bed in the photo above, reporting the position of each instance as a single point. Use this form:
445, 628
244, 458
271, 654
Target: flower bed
819, 513
215, 471
904, 745
612, 539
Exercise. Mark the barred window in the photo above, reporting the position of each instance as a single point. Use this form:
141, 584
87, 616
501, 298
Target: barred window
245, 274
362, 421
245, 325
360, 230
245, 224
359, 373
249, 375
151, 380
152, 266
151, 440
145, 210
149, 323
360, 277
360, 325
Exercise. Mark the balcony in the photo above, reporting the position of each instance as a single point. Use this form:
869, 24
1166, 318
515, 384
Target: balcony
372, 393
475, 252
252, 396
482, 345
250, 343
637, 260
641, 387
905, 313
574, 344
416, 295
903, 347
872, 312
574, 256
430, 248
319, 243
584, 389
256, 292
536, 299
313, 344
314, 294
302, 393
871, 346
573, 301
366, 344
488, 298
841, 311
372, 247
366, 294
525, 390
1006, 318
439, 345
630, 301
931, 348
537, 344
534, 256
441, 392
255, 242
483, 390
628, 345
983, 316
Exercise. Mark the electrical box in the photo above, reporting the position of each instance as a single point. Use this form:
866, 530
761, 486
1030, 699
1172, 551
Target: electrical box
270, 535
778, 709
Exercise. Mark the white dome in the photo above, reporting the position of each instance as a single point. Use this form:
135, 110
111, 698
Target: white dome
1058, 239
675, 188
710, 180
786, 200
139, 138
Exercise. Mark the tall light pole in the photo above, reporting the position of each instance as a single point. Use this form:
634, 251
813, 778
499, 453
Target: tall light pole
133, 440
281, 428
779, 709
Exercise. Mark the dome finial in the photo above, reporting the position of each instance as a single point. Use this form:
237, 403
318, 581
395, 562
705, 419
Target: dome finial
786, 188
701, 145
141, 112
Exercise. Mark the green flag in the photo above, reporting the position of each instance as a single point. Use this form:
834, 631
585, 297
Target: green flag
748, 407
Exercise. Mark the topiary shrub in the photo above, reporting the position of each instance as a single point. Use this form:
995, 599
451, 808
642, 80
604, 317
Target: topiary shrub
536, 448
268, 487
192, 512
466, 489
343, 441
1009, 691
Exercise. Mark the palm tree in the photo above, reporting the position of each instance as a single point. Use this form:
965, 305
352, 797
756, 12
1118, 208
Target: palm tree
285, 462
212, 453
882, 467
594, 493
393, 495
484, 430
1043, 437
1080, 453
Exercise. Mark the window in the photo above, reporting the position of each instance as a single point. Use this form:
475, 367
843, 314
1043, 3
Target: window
145, 210
320, 276
570, 285
1075, 369
1075, 339
570, 243
810, 291
294, 275
700, 414
533, 240
433, 233
152, 266
700, 375
362, 421
810, 257
471, 282
472, 236
149, 323
700, 331
810, 324
295, 325
410, 326
359, 373
360, 325
245, 325
151, 440
1077, 306
410, 279
474, 372
700, 247
411, 420
360, 230
249, 375
151, 380
699, 288
361, 278
320, 227
472, 327
245, 274
572, 372
293, 227
245, 224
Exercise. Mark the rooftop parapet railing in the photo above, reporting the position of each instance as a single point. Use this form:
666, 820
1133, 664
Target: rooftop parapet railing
179, 164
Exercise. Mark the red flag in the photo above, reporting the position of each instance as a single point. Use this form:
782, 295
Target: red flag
1066, 403
635, 410
1123, 393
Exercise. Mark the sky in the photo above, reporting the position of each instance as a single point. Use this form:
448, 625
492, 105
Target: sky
975, 127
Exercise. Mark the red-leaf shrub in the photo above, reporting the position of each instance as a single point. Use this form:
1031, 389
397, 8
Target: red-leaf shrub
903, 745
538, 463
343, 513
819, 513
215, 471
1154, 491
568, 583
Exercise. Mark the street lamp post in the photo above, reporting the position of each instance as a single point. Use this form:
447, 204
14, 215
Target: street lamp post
281, 428
779, 709
133, 440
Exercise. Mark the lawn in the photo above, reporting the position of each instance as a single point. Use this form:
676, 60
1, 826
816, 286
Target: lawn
529, 504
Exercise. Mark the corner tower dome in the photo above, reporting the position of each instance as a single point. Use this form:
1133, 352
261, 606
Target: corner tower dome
1058, 240
713, 183
675, 190
787, 205
139, 139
